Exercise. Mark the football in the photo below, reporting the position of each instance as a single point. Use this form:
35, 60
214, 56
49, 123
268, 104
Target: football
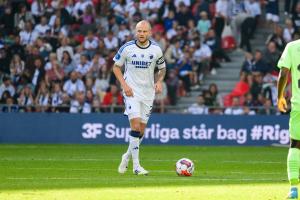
184, 167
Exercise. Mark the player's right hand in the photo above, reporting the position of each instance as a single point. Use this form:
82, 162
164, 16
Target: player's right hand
127, 90
281, 104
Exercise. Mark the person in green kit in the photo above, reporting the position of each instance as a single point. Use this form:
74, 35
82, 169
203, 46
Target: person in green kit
290, 63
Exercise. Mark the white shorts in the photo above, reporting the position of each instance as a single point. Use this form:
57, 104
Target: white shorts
135, 108
272, 17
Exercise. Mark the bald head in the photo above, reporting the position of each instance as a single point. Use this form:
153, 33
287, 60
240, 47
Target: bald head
143, 32
143, 24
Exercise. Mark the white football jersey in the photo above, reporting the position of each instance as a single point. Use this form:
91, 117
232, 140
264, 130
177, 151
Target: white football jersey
140, 63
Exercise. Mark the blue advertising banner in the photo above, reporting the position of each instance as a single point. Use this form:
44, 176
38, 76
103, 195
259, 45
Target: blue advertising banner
172, 129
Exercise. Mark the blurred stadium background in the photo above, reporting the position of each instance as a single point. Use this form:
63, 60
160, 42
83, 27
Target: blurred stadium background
56, 58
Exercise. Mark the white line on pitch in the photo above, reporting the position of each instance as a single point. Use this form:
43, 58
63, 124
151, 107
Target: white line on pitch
159, 171
148, 179
146, 160
75, 159
253, 162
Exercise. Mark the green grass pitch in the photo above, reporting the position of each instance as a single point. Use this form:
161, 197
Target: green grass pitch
79, 172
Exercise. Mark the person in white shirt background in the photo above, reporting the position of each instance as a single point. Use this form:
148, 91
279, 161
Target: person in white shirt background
198, 108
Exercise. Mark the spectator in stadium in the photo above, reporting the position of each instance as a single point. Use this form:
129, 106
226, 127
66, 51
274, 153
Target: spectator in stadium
248, 64
80, 7
160, 40
289, 7
74, 84
88, 16
183, 15
7, 86
16, 48
64, 47
271, 56
267, 108
25, 99
257, 86
84, 66
65, 105
67, 63
296, 18
162, 99
191, 31
169, 20
240, 89
37, 74
123, 32
198, 108
270, 90
56, 73
253, 8
204, 24
259, 64
172, 86
249, 100
200, 6
10, 106
215, 96
38, 9
42, 27
90, 44
112, 98
22, 16
202, 59
110, 41
42, 99
6, 22
16, 67
58, 29
56, 97
288, 31
222, 15
247, 28
185, 71
51, 59
235, 109
98, 62
214, 44
173, 53
277, 38
28, 35
165, 9
272, 11
44, 47
79, 104
102, 82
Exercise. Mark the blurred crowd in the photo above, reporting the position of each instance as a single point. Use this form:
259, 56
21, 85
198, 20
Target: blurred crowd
57, 55
256, 92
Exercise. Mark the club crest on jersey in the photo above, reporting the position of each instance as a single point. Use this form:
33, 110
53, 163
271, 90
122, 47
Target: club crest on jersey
151, 56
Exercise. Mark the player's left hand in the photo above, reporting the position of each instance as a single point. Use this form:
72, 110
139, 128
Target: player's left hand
281, 104
158, 87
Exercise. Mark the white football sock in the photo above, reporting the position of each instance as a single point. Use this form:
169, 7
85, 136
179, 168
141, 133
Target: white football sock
128, 152
134, 145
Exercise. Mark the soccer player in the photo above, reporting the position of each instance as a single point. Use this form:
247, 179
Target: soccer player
290, 62
140, 58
